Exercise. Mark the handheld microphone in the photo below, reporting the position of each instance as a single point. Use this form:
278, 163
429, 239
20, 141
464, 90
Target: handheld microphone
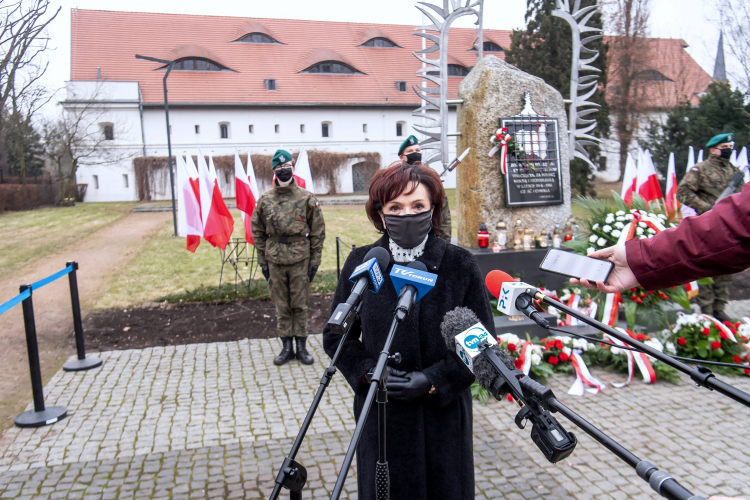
413, 282
514, 298
368, 273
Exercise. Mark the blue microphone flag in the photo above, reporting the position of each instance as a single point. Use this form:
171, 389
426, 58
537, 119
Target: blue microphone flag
369, 267
421, 280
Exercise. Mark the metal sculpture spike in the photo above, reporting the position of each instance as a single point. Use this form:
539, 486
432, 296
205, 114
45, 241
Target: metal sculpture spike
580, 106
435, 108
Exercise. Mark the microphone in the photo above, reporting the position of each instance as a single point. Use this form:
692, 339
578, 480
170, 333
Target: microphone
514, 298
413, 282
369, 273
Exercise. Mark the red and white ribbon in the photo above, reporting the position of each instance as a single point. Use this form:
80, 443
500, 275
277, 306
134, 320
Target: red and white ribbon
629, 354
502, 137
721, 326
573, 302
583, 376
642, 361
611, 307
628, 232
524, 358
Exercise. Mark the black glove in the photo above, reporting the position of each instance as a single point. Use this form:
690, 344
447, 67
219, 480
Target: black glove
264, 270
407, 386
311, 270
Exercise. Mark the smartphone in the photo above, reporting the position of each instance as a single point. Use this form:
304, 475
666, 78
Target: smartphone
576, 266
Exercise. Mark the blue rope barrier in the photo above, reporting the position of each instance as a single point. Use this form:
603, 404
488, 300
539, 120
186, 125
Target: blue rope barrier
51, 278
15, 300
39, 284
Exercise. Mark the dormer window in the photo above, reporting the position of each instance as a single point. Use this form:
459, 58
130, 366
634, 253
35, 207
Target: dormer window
401, 86
270, 84
490, 47
257, 38
379, 41
332, 67
651, 75
196, 64
457, 70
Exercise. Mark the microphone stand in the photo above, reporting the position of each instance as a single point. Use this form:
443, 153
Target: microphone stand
378, 386
538, 400
701, 375
292, 474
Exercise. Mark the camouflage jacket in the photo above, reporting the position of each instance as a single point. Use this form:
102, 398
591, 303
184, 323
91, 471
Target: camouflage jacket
288, 211
704, 183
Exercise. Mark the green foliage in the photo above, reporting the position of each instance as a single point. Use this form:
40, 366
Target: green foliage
20, 135
480, 393
721, 110
544, 49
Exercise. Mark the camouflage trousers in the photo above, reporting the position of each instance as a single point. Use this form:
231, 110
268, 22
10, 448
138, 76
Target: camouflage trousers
714, 297
289, 288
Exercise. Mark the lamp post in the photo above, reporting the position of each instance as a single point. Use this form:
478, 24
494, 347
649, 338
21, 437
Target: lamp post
169, 138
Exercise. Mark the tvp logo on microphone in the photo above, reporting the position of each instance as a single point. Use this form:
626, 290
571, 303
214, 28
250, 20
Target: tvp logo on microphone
422, 281
506, 301
370, 267
467, 343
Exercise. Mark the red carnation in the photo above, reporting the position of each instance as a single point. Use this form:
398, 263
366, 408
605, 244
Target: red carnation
558, 344
716, 345
553, 360
511, 347
681, 341
746, 371
737, 359
723, 335
564, 357
640, 336
649, 293
744, 339
633, 289
642, 295
727, 323
519, 364
706, 331
633, 297
510, 398
639, 301
737, 325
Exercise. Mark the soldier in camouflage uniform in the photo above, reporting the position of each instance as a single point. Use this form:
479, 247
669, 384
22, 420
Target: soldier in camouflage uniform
289, 230
410, 152
699, 189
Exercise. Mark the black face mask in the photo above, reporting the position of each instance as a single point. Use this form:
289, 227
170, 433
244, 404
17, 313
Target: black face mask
412, 158
726, 153
283, 174
408, 231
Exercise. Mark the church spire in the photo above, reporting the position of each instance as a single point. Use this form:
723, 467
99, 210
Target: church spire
720, 71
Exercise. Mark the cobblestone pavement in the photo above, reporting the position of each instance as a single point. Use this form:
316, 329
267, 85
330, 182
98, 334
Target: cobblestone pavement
216, 420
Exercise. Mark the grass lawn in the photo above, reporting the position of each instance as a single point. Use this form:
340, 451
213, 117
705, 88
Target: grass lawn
32, 234
165, 270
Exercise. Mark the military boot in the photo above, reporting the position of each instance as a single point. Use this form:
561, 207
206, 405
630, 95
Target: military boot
302, 354
722, 316
287, 353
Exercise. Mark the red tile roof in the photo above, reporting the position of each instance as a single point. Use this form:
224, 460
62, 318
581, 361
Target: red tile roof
110, 41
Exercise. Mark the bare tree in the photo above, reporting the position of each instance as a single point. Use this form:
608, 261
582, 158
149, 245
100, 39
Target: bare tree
23, 38
628, 49
76, 138
735, 23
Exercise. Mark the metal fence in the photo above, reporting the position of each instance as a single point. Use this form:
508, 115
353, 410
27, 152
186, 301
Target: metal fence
340, 246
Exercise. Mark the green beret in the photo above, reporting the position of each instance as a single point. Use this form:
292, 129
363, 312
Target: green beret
280, 157
720, 139
410, 141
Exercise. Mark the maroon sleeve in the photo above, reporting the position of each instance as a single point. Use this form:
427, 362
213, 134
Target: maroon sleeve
713, 244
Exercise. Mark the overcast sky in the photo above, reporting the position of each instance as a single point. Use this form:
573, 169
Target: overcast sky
686, 19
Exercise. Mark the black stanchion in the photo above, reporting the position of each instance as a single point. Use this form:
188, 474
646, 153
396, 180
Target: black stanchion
39, 416
82, 363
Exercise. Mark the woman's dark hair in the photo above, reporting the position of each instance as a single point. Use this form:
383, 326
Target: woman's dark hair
400, 177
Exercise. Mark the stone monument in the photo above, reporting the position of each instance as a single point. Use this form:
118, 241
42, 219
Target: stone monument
536, 187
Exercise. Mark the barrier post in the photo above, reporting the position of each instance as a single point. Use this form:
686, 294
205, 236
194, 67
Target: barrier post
82, 363
39, 416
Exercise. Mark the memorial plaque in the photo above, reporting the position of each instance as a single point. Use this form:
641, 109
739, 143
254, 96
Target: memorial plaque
534, 175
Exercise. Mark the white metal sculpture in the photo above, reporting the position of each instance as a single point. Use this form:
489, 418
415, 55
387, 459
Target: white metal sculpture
435, 108
583, 57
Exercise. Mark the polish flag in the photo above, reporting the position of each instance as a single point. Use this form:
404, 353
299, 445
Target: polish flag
247, 192
629, 180
700, 156
303, 177
189, 223
742, 163
685, 210
671, 199
218, 223
647, 185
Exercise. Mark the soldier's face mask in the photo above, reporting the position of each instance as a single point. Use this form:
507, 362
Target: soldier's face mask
412, 158
408, 231
283, 174
726, 153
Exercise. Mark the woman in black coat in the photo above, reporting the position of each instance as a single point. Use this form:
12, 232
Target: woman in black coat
429, 413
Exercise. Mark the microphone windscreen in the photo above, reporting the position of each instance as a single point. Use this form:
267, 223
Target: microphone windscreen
485, 372
455, 322
419, 266
381, 255
494, 281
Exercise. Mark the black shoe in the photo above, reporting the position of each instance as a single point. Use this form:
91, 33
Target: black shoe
287, 353
722, 316
302, 355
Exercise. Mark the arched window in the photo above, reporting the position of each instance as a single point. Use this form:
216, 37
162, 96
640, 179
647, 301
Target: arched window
457, 70
196, 64
379, 41
257, 38
491, 47
326, 129
651, 75
108, 131
224, 130
332, 67
400, 128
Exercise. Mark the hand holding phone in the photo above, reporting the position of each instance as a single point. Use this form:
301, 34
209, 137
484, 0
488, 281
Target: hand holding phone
576, 266
621, 278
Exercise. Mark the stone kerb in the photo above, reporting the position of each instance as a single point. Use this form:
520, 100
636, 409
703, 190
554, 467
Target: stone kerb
493, 90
